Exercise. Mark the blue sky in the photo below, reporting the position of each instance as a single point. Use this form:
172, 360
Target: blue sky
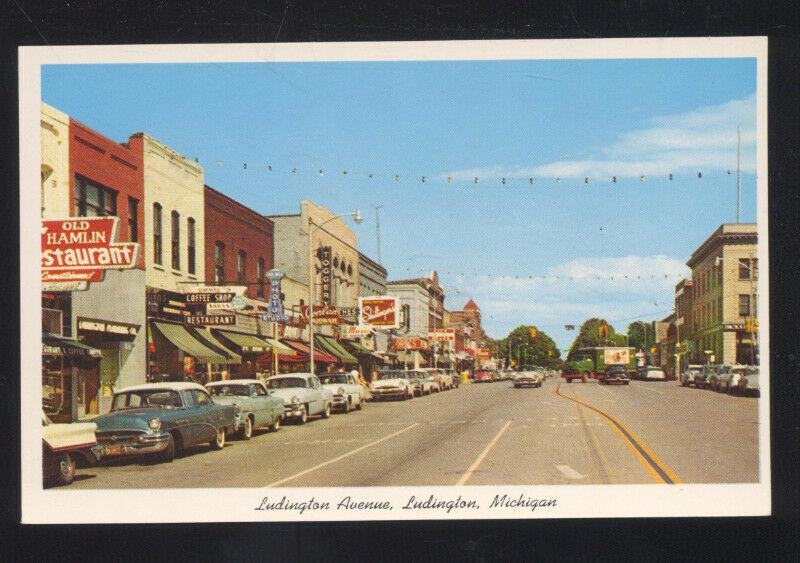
526, 254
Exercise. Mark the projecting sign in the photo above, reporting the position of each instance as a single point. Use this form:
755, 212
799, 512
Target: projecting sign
122, 329
225, 297
323, 315
275, 307
356, 331
325, 258
77, 251
379, 312
442, 335
410, 344
209, 320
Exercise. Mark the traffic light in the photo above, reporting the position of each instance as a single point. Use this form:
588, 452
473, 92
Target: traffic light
603, 330
533, 332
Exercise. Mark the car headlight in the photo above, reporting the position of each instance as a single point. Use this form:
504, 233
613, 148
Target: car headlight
295, 400
340, 391
154, 424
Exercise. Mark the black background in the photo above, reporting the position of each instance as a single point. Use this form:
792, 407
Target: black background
74, 22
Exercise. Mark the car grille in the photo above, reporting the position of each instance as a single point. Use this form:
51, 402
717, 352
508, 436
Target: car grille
118, 436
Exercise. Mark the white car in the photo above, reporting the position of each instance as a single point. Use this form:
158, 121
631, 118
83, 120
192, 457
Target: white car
528, 378
392, 384
62, 444
302, 394
348, 393
423, 385
652, 373
748, 380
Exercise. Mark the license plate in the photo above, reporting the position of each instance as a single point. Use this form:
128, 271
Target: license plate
112, 450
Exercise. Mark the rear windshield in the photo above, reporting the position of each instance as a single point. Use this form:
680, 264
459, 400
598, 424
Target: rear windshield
286, 383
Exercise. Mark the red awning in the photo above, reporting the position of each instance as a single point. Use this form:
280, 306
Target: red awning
319, 356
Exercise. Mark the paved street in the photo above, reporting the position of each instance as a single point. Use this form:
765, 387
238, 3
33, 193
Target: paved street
484, 434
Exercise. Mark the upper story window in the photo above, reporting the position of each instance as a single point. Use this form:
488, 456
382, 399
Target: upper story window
744, 269
133, 219
241, 267
176, 241
260, 278
744, 305
219, 262
157, 255
190, 244
94, 200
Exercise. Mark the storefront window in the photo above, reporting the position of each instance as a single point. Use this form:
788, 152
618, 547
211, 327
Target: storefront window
93, 200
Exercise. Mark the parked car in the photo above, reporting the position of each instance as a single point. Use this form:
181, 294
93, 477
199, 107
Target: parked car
435, 378
302, 394
690, 375
423, 385
447, 379
652, 373
708, 374
348, 393
527, 379
392, 384
615, 373
64, 445
749, 380
456, 377
254, 405
162, 419
483, 376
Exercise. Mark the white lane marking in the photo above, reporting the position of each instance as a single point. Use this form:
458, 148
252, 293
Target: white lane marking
484, 453
567, 471
341, 457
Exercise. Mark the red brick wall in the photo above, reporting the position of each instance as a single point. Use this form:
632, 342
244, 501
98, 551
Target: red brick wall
111, 165
239, 228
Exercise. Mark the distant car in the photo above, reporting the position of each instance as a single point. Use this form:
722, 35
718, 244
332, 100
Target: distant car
348, 393
392, 384
302, 394
254, 405
63, 446
648, 373
162, 419
690, 375
615, 373
527, 379
437, 383
483, 376
749, 381
422, 384
442, 379
708, 375
456, 377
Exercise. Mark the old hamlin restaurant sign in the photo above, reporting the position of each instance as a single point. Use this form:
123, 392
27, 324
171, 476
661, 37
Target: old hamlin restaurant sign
77, 251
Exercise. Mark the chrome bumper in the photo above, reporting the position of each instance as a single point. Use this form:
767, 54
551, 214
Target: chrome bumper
145, 444
388, 393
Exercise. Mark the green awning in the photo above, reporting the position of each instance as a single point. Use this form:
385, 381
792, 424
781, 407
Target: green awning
184, 340
333, 347
280, 347
359, 348
58, 346
247, 342
210, 341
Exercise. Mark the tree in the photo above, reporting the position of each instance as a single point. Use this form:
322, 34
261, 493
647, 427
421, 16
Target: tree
636, 334
530, 347
591, 335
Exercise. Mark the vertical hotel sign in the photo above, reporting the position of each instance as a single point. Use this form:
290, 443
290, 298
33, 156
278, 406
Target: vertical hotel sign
77, 251
325, 259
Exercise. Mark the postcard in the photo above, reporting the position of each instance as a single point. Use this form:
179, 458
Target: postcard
381, 281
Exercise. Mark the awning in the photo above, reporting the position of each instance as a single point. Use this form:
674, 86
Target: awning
319, 355
204, 335
58, 346
333, 347
184, 340
361, 350
283, 349
247, 342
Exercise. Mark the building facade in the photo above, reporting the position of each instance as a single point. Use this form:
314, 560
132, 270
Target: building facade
372, 281
724, 297
414, 303
55, 189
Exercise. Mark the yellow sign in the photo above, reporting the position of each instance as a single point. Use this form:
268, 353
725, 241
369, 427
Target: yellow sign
533, 332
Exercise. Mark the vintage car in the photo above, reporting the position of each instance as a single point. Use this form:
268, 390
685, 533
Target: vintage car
434, 377
65, 445
348, 393
423, 385
456, 377
749, 381
651, 373
690, 374
303, 395
162, 419
255, 406
707, 375
392, 384
615, 373
484, 376
527, 379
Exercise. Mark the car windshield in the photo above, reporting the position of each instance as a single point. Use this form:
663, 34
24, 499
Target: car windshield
392, 374
286, 383
229, 390
335, 378
143, 399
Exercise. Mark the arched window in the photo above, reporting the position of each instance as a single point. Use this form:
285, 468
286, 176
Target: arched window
176, 240
260, 273
190, 240
157, 256
219, 262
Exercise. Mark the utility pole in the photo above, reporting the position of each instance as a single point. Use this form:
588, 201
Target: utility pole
378, 231
738, 168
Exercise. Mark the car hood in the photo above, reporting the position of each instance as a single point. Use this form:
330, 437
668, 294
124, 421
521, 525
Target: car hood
388, 383
287, 393
334, 387
128, 419
230, 399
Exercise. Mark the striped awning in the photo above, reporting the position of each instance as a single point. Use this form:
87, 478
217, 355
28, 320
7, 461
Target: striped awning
319, 355
179, 336
205, 336
333, 347
59, 346
246, 342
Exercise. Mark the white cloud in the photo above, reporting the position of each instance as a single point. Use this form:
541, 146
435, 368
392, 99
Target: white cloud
694, 141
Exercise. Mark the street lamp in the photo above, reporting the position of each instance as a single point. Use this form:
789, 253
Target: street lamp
312, 228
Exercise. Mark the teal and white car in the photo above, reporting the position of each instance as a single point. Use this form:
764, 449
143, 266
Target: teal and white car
254, 405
